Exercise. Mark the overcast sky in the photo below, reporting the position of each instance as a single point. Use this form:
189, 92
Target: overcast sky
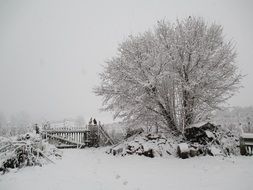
52, 51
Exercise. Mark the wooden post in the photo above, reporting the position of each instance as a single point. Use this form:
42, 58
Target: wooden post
98, 131
84, 136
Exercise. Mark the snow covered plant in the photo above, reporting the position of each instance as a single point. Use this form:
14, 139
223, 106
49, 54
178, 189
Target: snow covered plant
172, 76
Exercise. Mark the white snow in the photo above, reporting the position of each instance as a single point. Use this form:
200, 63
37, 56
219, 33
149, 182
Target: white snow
209, 134
183, 147
215, 151
199, 124
92, 169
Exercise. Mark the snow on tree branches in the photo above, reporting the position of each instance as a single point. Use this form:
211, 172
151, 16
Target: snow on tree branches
172, 76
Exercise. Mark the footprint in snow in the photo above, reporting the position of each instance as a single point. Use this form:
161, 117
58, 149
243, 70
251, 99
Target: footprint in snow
117, 176
125, 182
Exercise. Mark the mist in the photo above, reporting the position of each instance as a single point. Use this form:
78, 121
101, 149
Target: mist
51, 52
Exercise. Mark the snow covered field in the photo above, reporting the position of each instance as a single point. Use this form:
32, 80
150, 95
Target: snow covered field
93, 169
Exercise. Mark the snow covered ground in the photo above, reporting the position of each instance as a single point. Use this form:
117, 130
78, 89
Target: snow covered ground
92, 169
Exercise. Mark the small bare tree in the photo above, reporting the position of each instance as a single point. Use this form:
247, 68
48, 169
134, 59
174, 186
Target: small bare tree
172, 76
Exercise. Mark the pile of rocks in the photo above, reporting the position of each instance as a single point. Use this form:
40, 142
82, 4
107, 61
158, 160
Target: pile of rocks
198, 139
208, 139
150, 145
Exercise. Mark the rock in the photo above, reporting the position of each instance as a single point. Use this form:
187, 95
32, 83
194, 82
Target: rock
209, 134
183, 150
193, 152
149, 153
214, 151
153, 136
117, 151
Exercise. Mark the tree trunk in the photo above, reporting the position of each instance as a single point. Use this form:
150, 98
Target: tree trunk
167, 116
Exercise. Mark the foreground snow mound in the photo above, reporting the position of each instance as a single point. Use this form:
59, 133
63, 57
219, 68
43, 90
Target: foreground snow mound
25, 150
150, 145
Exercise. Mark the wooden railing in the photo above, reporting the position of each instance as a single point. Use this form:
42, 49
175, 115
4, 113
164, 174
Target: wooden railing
92, 135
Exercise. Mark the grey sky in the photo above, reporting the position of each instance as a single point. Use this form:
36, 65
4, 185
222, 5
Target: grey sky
51, 51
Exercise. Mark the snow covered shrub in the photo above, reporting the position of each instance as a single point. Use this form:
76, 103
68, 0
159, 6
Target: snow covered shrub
25, 150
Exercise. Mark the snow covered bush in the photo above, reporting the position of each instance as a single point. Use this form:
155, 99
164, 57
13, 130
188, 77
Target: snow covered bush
25, 150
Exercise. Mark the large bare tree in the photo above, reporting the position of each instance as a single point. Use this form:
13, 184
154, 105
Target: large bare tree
172, 76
